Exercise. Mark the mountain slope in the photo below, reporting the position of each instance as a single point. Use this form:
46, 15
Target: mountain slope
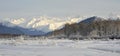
81, 26
91, 19
4, 29
9, 30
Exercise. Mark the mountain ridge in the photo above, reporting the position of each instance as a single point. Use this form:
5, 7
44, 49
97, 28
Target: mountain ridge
44, 23
4, 29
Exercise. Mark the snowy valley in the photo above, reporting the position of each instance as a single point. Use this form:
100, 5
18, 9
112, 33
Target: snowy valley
64, 47
59, 28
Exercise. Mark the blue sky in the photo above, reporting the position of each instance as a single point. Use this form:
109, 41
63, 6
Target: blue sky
57, 8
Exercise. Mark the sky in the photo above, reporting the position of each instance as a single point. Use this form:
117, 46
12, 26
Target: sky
57, 8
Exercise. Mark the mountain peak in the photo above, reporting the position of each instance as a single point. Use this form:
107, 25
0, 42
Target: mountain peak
91, 19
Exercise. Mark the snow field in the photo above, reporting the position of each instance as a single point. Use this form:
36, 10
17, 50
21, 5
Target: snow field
59, 47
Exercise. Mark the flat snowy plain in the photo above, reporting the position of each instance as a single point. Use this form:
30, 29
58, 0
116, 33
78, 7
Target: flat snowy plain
52, 47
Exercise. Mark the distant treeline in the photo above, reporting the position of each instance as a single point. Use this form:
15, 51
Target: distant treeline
97, 29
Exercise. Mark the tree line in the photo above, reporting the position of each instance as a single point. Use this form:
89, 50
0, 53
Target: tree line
99, 29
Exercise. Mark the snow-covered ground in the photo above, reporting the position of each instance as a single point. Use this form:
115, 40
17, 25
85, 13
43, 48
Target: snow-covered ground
53, 47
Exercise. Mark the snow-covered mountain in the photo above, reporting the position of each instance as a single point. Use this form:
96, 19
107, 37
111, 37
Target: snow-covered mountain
45, 23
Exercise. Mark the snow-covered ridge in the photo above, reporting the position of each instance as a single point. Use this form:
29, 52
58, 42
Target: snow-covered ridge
18, 21
45, 23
